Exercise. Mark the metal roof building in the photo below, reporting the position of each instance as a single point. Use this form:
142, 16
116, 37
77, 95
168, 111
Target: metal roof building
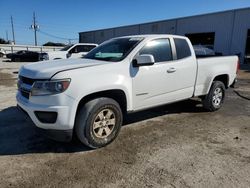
226, 32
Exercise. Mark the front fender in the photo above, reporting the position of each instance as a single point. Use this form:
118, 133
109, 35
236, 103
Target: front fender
95, 79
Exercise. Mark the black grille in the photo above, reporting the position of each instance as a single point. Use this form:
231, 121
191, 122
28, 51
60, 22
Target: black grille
26, 80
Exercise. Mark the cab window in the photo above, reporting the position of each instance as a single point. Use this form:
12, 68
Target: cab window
159, 48
182, 48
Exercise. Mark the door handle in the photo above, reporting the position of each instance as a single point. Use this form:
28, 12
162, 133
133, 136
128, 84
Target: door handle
171, 70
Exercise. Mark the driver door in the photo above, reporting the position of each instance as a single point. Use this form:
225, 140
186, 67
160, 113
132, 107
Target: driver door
168, 79
151, 84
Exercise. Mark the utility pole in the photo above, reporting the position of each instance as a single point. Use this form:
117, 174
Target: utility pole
35, 27
13, 32
7, 36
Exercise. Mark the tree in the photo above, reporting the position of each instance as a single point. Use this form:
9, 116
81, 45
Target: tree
53, 44
2, 41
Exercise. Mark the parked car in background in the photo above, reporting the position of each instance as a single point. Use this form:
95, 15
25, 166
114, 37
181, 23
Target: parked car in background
71, 51
10, 55
89, 96
2, 52
24, 56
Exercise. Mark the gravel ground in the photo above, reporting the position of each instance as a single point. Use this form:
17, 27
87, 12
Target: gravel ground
177, 145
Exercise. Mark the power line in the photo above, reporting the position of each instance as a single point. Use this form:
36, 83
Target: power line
36, 29
53, 36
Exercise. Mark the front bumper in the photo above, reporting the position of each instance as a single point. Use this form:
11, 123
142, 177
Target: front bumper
62, 125
58, 135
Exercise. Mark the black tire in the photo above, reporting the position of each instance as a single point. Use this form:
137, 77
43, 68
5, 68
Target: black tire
89, 114
209, 102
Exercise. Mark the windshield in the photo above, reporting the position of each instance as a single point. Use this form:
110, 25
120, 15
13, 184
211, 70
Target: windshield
114, 50
66, 48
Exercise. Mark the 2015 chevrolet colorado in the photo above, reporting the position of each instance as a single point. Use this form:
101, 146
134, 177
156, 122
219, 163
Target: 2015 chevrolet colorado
122, 75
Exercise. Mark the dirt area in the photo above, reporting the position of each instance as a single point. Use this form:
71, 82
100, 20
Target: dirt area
6, 79
244, 72
178, 145
243, 86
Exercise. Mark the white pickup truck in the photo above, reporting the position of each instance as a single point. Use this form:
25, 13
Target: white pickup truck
89, 96
70, 51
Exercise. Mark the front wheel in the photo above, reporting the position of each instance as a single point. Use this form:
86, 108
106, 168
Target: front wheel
98, 122
214, 99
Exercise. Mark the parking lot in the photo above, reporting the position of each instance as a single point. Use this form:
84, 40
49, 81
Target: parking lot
177, 145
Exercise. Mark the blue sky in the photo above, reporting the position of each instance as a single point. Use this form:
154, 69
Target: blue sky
66, 18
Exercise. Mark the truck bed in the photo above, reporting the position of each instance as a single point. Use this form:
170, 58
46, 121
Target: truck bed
209, 67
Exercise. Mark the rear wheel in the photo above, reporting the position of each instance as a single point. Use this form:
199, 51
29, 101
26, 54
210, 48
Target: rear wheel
214, 99
98, 122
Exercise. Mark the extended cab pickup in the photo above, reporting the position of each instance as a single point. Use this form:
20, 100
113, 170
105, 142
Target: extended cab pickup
70, 51
126, 74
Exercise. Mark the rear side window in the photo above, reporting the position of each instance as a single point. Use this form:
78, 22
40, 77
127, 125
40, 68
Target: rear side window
159, 48
182, 48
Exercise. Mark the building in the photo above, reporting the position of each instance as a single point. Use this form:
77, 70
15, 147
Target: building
226, 32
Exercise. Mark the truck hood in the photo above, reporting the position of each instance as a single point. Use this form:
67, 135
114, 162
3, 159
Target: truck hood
46, 69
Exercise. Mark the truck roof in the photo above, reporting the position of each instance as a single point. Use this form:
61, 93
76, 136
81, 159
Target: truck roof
154, 36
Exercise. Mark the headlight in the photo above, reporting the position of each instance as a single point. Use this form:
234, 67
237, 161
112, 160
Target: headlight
49, 87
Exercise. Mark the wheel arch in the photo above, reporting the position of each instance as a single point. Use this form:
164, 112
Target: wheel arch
83, 128
116, 94
224, 78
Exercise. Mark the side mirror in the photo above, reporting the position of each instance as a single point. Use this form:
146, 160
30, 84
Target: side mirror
143, 60
68, 55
